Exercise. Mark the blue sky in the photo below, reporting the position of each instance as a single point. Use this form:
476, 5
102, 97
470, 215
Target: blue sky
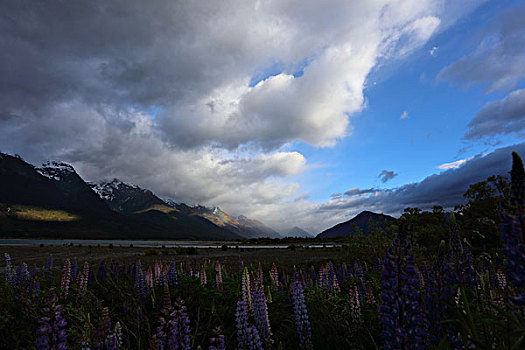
269, 108
438, 114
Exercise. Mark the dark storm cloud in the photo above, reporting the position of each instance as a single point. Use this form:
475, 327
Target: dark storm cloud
499, 117
386, 175
445, 189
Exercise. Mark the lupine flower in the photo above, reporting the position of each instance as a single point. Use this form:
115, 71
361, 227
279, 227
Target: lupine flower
106, 336
218, 275
83, 279
247, 337
21, 275
66, 278
8, 268
74, 268
260, 275
359, 274
149, 277
51, 332
260, 312
118, 334
172, 274
459, 257
49, 267
355, 304
102, 273
439, 295
323, 278
162, 334
217, 342
301, 316
370, 299
253, 341
203, 277
274, 274
158, 271
179, 327
34, 282
246, 291
404, 325
502, 280
513, 230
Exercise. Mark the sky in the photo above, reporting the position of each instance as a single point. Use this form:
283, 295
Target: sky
295, 113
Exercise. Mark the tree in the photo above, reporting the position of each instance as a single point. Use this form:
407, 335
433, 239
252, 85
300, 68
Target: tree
479, 217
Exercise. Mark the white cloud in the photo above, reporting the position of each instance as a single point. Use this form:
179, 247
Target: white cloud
453, 165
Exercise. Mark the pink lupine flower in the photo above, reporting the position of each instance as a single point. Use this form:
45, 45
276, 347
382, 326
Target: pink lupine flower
149, 277
370, 299
83, 279
246, 291
203, 277
274, 275
218, 275
323, 278
502, 280
66, 278
355, 304
260, 276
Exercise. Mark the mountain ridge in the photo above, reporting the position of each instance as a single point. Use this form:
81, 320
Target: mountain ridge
360, 221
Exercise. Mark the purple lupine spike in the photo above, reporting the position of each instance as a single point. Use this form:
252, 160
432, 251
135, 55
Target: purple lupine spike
241, 319
260, 311
172, 274
21, 276
217, 342
313, 276
8, 268
301, 316
66, 278
102, 273
105, 336
179, 327
74, 269
404, 325
91, 276
49, 268
253, 339
51, 332
161, 336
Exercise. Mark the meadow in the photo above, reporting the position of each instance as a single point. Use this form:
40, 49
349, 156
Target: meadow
387, 290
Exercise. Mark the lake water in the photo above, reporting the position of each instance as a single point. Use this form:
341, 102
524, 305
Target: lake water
152, 244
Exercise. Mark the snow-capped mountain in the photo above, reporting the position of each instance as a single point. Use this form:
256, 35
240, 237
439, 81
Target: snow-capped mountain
125, 197
56, 170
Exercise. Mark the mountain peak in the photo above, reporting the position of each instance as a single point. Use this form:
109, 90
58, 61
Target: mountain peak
361, 221
55, 170
296, 231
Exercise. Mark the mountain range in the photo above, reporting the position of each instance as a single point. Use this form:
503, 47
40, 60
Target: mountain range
54, 201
